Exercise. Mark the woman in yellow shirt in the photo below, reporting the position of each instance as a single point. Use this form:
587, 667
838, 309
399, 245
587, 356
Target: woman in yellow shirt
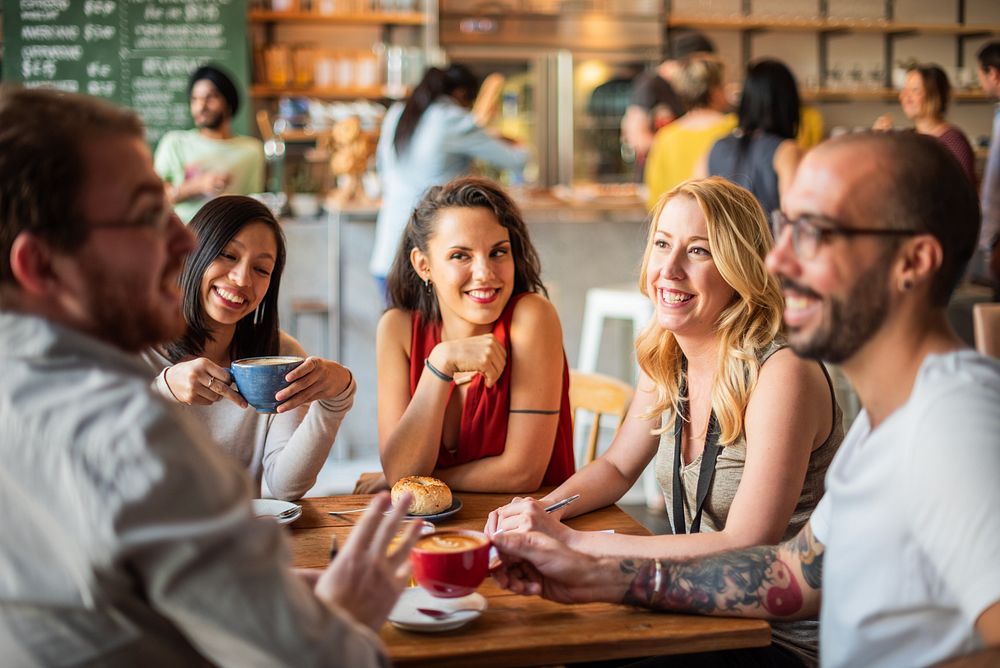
678, 147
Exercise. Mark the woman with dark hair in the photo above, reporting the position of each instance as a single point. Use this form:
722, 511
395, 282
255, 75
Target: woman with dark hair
761, 154
431, 139
924, 98
230, 284
473, 385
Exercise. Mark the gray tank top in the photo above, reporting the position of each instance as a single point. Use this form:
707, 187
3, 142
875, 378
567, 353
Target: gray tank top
800, 638
753, 170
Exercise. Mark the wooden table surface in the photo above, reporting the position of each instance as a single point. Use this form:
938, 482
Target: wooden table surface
523, 630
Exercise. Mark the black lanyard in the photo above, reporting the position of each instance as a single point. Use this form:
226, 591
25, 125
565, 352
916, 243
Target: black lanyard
705, 474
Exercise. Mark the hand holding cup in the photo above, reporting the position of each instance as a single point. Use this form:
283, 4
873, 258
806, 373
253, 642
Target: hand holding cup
201, 382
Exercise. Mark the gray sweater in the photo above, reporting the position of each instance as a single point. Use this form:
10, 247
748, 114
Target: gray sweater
286, 450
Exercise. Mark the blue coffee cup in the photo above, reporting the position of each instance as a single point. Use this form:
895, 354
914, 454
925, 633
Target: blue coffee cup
260, 378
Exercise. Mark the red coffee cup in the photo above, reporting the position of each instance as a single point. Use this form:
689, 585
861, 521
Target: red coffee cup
452, 562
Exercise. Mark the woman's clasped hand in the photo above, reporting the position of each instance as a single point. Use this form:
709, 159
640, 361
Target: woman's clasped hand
481, 354
315, 378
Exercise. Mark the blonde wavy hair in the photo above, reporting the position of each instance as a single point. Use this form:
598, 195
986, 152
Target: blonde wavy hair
739, 240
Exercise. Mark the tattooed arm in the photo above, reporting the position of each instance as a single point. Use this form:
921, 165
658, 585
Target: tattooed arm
776, 582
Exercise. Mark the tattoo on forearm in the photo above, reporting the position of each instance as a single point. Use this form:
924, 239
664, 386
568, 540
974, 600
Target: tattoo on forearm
810, 553
629, 566
740, 581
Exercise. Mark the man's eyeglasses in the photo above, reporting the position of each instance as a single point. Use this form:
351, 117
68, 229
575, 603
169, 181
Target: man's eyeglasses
809, 232
156, 219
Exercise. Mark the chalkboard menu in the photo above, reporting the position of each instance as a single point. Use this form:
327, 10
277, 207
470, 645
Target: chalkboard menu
138, 53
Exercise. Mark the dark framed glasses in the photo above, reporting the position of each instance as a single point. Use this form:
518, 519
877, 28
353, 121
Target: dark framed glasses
156, 219
809, 232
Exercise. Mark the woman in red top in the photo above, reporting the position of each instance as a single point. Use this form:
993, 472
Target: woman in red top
473, 386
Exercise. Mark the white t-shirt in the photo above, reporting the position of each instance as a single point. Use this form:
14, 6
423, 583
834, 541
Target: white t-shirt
911, 522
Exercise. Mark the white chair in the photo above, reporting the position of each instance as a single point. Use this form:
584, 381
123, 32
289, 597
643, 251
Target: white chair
617, 302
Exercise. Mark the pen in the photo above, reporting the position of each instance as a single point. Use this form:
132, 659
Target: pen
333, 547
561, 504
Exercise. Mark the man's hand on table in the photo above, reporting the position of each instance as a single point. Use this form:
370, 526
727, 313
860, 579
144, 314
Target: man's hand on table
537, 565
364, 579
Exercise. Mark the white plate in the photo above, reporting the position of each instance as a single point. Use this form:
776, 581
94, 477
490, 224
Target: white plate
405, 616
274, 507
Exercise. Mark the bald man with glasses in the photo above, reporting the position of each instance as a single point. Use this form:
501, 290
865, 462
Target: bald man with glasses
899, 560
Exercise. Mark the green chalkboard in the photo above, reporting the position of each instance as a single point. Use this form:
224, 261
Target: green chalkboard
138, 53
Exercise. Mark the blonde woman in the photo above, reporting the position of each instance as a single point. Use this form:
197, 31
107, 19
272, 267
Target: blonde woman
678, 148
742, 430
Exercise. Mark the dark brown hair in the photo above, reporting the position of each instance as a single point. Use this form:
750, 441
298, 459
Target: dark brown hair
42, 135
989, 56
453, 80
925, 189
405, 287
215, 225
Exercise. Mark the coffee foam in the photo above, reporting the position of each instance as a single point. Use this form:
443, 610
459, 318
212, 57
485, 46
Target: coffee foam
267, 361
449, 542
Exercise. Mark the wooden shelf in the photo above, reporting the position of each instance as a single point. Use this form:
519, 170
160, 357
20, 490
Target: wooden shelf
374, 92
341, 18
882, 94
827, 25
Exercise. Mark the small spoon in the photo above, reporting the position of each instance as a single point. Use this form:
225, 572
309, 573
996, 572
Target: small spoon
444, 614
288, 513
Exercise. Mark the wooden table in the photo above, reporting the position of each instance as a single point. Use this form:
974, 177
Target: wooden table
530, 631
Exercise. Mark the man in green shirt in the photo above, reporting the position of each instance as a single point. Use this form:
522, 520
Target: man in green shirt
209, 160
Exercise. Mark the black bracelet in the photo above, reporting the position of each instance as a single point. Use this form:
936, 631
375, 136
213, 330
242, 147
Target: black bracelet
437, 372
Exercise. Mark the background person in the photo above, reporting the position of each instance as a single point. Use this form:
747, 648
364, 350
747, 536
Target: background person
989, 236
129, 538
209, 160
899, 557
721, 403
924, 98
653, 102
230, 284
679, 147
429, 140
762, 154
473, 385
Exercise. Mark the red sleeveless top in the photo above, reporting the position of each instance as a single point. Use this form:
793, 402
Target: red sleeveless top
483, 428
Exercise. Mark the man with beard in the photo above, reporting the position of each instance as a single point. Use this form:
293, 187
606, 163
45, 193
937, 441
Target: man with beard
209, 160
900, 557
128, 539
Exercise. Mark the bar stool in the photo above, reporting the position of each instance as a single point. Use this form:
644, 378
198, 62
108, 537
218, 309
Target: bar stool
618, 302
312, 309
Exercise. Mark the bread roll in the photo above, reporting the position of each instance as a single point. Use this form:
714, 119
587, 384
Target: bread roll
430, 495
486, 102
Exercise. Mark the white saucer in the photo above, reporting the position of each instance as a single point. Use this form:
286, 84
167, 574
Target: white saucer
274, 507
405, 616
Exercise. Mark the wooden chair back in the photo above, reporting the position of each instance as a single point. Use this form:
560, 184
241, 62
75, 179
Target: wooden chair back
986, 327
601, 395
